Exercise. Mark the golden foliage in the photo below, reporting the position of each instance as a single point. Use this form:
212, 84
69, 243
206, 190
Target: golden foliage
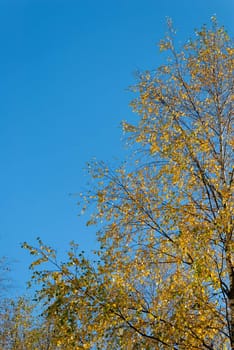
165, 275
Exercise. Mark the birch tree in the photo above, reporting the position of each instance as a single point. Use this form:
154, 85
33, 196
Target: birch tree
164, 278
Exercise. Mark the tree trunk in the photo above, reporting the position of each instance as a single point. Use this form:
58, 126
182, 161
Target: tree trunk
231, 305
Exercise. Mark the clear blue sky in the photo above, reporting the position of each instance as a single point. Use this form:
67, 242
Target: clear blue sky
65, 67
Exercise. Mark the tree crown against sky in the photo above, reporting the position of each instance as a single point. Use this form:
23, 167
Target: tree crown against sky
165, 272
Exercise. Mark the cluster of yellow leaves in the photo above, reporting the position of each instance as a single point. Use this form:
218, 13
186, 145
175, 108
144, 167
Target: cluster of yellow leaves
21, 328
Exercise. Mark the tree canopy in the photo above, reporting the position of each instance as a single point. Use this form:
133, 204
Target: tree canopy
164, 273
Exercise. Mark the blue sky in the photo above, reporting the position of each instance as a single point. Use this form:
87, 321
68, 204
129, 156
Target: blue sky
65, 68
